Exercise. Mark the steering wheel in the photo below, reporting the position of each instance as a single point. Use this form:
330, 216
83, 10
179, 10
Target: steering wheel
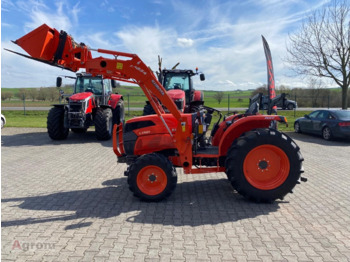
177, 86
90, 89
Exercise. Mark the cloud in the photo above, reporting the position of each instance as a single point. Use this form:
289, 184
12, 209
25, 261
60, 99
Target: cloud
147, 42
222, 38
185, 42
22, 72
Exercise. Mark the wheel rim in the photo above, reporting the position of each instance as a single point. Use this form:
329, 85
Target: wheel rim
266, 167
326, 133
152, 180
296, 127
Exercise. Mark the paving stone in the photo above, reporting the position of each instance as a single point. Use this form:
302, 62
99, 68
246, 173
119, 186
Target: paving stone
73, 195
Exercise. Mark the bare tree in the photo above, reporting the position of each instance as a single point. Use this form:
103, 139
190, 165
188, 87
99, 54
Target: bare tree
32, 93
52, 93
6, 95
321, 48
283, 89
22, 94
315, 86
260, 89
219, 95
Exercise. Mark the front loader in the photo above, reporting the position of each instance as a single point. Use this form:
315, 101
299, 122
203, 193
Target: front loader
262, 163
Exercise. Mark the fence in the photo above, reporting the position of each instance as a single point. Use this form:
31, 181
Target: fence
229, 102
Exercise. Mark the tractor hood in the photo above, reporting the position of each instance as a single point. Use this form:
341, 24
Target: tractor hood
81, 96
176, 94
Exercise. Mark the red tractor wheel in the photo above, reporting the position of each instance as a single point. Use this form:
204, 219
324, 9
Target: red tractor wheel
55, 124
103, 123
152, 177
264, 165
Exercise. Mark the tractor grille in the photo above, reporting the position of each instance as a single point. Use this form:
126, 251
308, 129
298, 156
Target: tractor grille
76, 107
76, 115
179, 104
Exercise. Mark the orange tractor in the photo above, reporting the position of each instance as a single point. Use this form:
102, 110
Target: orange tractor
262, 163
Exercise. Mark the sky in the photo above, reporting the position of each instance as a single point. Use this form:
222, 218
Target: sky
221, 38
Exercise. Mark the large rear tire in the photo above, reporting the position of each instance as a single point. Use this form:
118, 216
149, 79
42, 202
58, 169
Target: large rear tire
55, 124
264, 165
148, 110
152, 177
103, 123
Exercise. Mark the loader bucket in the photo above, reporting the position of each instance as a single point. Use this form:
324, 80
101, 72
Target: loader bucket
40, 43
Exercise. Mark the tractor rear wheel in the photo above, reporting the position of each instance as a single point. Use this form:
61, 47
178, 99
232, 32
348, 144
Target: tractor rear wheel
264, 165
148, 110
103, 123
55, 124
152, 177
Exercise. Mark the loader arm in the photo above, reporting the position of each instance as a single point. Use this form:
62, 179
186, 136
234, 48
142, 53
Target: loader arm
47, 45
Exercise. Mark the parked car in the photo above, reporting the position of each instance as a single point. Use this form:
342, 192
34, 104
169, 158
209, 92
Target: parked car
327, 123
3, 121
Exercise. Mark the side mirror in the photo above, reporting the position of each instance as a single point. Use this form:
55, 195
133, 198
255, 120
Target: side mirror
59, 81
202, 77
114, 83
307, 116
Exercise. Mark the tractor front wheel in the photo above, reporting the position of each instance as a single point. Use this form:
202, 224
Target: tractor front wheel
119, 113
264, 165
152, 177
103, 123
55, 124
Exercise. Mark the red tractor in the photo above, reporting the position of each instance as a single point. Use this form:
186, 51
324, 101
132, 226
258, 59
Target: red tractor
262, 163
179, 85
92, 104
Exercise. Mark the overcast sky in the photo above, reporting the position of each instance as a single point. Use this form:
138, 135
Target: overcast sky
221, 38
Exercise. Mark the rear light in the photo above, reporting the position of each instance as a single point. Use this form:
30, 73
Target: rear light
344, 124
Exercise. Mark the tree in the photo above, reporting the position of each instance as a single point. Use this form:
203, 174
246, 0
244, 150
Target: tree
52, 93
42, 94
316, 88
260, 89
22, 94
6, 95
219, 95
32, 93
321, 48
283, 89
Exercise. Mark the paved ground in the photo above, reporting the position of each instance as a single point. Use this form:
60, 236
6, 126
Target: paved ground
19, 108
69, 201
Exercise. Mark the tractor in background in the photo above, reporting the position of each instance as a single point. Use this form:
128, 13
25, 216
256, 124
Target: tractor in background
179, 85
91, 104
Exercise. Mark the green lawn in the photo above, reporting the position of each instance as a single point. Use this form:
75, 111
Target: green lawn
30, 119
134, 97
38, 118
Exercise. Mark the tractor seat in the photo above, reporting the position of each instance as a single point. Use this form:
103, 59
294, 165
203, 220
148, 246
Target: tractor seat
253, 109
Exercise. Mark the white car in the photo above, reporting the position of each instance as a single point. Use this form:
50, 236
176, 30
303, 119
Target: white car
3, 121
